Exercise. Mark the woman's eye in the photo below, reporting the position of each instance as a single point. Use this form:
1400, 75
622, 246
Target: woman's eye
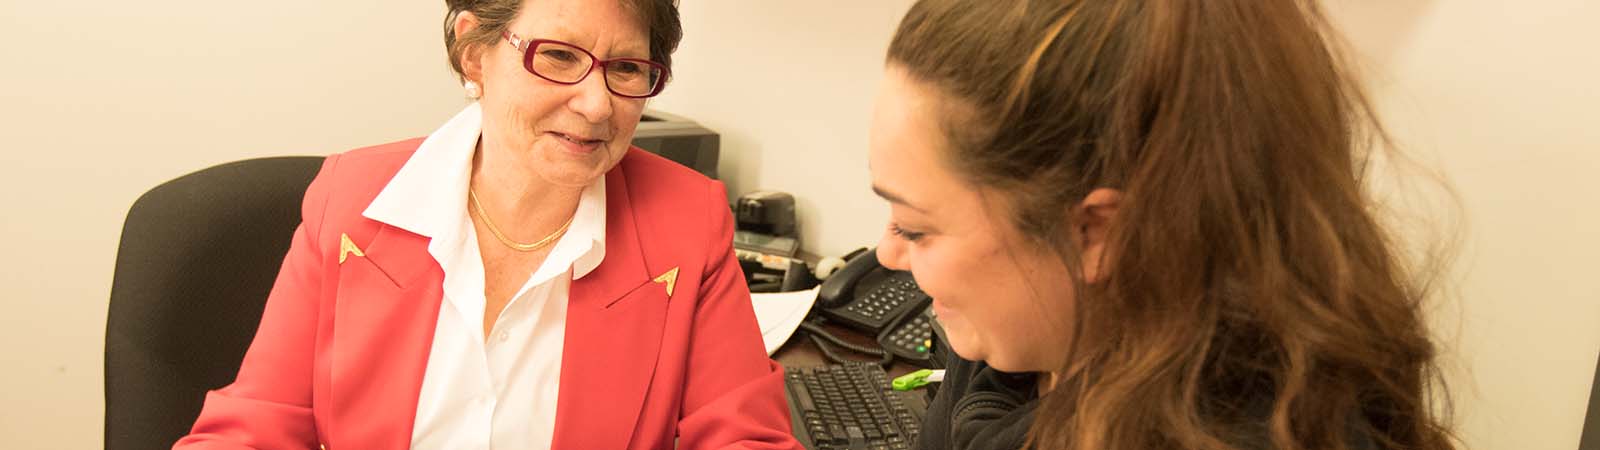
627, 68
908, 235
559, 55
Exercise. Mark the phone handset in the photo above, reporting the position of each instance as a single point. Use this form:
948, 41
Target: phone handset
869, 297
886, 304
840, 287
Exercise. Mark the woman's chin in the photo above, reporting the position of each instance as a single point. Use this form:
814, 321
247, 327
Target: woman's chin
971, 348
573, 177
963, 344
567, 169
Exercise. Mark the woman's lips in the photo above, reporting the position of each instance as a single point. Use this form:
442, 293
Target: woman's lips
577, 144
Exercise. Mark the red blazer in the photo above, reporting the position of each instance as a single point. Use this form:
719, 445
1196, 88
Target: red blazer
339, 357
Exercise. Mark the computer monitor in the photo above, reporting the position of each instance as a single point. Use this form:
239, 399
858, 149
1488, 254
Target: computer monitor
679, 139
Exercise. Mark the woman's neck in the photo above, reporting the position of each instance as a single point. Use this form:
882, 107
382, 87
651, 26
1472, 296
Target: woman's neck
1047, 380
512, 193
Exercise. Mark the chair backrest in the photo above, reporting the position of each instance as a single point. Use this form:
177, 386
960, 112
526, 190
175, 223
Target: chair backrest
198, 256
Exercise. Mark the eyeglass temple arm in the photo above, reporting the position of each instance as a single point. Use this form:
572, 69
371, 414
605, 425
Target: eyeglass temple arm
513, 39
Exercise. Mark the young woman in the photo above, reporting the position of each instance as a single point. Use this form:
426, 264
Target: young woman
1144, 226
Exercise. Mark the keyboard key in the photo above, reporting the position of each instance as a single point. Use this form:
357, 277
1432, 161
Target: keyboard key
838, 434
856, 437
805, 398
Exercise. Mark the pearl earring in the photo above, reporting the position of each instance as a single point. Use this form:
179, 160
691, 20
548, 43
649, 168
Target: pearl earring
473, 90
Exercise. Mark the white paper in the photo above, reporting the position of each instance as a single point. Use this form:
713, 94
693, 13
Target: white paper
780, 313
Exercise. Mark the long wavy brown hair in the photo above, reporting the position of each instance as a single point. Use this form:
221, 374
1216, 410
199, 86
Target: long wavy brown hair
1251, 297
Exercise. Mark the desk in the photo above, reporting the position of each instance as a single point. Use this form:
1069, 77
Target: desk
799, 351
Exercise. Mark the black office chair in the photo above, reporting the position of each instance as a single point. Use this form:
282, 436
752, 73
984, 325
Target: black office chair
198, 256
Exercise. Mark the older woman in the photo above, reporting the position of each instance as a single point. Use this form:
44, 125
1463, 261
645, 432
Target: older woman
521, 278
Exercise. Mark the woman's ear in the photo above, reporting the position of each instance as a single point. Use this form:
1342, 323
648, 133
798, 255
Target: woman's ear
471, 55
1094, 218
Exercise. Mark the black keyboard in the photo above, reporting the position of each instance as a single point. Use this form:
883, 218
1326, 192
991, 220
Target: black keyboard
851, 406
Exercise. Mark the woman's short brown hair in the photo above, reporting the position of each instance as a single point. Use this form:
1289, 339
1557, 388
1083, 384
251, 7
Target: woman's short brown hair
658, 17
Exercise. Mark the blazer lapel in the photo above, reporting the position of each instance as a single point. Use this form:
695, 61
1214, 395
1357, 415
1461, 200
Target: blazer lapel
615, 317
386, 310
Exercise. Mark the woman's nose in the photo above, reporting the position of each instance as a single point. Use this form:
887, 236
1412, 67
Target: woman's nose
892, 252
593, 99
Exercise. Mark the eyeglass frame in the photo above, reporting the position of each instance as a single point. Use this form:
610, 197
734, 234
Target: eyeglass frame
526, 47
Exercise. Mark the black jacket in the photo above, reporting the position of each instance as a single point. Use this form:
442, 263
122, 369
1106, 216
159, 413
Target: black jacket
979, 408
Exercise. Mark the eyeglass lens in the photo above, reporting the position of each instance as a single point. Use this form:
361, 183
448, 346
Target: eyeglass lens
567, 64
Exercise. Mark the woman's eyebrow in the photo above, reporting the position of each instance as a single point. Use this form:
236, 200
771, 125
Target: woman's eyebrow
895, 198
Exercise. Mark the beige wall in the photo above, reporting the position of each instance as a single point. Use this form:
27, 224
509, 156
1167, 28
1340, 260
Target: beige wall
101, 100
1501, 95
790, 86
106, 99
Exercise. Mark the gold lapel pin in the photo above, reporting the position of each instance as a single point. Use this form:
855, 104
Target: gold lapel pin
670, 278
346, 247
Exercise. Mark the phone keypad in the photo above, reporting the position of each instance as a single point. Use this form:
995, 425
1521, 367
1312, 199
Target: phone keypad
887, 300
914, 337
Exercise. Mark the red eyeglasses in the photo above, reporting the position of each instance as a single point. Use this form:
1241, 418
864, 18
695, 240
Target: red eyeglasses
564, 63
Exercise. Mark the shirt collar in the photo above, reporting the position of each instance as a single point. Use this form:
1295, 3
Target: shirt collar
428, 196
589, 227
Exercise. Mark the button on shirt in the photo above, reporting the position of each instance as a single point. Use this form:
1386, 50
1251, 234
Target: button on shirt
499, 392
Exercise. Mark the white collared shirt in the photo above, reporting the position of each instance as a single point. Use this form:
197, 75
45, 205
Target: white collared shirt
500, 393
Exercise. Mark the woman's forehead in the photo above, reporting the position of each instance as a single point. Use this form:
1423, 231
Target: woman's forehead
596, 26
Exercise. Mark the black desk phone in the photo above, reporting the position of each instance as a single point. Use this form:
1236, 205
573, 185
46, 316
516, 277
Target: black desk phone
888, 303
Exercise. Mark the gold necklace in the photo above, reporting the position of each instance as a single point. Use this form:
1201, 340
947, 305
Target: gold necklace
518, 246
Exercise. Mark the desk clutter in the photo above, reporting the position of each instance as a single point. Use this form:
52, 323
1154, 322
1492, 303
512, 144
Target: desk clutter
861, 294
841, 305
767, 243
779, 314
864, 297
851, 406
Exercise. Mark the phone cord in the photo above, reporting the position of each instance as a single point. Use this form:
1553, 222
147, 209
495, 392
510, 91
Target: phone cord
822, 337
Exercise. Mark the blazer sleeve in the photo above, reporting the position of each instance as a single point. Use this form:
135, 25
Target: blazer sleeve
734, 398
268, 406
